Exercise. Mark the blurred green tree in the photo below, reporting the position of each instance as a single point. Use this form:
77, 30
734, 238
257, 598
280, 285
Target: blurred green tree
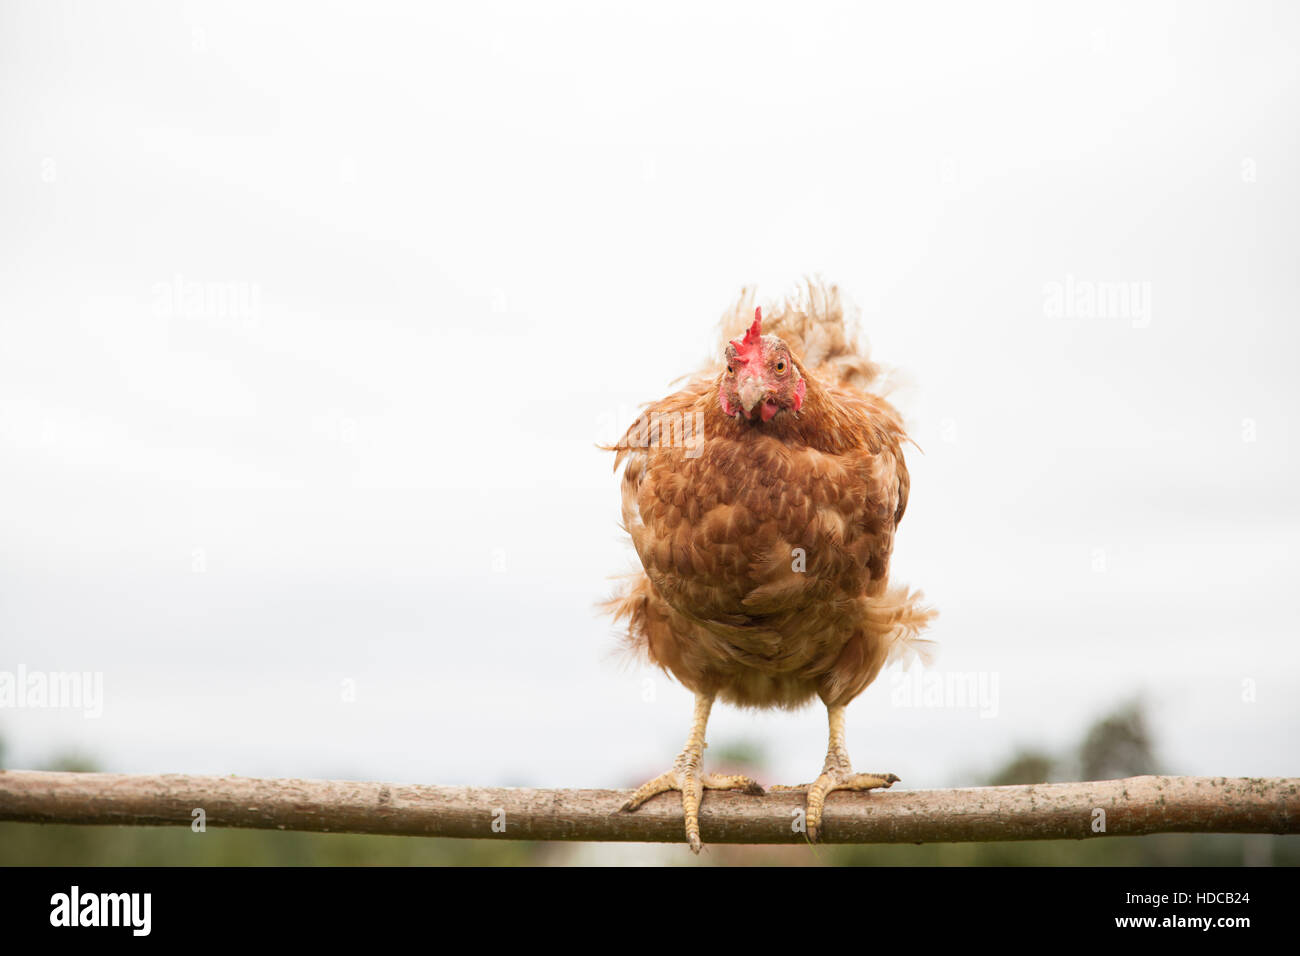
1118, 745
73, 761
1027, 766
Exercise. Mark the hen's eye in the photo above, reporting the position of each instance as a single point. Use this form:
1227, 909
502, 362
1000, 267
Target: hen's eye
780, 366
730, 370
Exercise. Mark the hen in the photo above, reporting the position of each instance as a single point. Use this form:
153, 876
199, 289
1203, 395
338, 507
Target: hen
762, 499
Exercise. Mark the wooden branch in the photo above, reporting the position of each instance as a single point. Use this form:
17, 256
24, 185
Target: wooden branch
1134, 806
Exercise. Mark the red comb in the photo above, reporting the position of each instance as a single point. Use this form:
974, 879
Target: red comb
747, 349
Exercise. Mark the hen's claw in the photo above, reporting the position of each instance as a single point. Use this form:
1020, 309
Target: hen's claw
687, 778
830, 781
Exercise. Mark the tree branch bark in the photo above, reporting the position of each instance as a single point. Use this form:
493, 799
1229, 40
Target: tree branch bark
1129, 807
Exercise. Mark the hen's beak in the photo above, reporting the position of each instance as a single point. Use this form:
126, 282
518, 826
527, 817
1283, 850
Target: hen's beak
751, 392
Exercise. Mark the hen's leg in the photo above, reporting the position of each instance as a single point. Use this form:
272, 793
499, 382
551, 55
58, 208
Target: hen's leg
686, 777
837, 774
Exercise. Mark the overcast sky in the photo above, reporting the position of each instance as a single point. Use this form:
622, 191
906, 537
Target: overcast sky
312, 315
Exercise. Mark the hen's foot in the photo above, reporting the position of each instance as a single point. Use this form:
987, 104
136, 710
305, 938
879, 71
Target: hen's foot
830, 781
686, 777
837, 774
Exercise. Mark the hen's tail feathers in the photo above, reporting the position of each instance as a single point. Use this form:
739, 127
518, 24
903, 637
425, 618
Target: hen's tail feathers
901, 615
629, 606
818, 326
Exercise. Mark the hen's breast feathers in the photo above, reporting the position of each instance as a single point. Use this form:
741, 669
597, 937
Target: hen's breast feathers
753, 521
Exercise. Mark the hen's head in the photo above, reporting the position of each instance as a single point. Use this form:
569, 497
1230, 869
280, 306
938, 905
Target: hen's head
761, 380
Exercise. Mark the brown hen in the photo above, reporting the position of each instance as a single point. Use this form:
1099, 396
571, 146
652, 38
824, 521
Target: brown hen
762, 499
